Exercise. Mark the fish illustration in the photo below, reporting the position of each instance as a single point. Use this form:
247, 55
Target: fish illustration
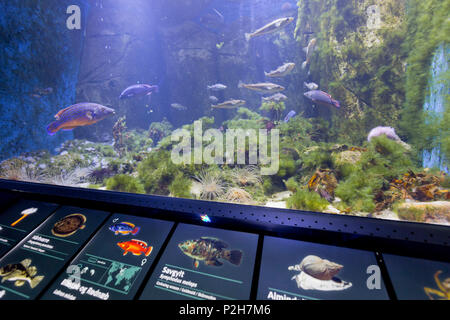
21, 273
281, 71
230, 104
271, 27
322, 98
290, 115
217, 87
136, 247
277, 97
210, 250
265, 87
138, 90
124, 228
309, 50
77, 115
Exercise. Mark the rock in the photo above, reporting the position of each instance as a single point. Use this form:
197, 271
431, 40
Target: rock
281, 195
387, 214
276, 204
347, 157
331, 209
64, 153
430, 212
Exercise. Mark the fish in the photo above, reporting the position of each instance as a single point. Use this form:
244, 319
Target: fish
265, 87
77, 115
210, 251
309, 50
178, 106
21, 273
217, 87
230, 104
271, 27
124, 228
139, 90
213, 99
322, 98
290, 115
277, 97
281, 71
136, 247
311, 85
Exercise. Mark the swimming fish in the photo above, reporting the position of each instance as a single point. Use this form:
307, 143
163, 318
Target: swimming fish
265, 87
136, 247
322, 98
277, 97
309, 51
77, 115
213, 99
272, 27
178, 106
21, 273
290, 115
282, 71
217, 87
138, 90
210, 250
230, 104
311, 85
124, 228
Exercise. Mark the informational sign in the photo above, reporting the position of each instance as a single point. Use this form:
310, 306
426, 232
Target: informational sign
204, 263
418, 279
27, 269
114, 263
296, 270
20, 219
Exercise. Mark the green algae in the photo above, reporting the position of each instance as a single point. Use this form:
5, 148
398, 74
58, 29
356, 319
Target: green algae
124, 183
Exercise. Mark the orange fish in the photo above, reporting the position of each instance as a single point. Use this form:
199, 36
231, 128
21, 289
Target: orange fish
77, 115
136, 247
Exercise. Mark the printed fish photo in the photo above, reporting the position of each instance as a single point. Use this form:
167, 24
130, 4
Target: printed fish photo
333, 107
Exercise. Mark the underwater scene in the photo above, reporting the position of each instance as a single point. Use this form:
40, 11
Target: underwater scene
332, 106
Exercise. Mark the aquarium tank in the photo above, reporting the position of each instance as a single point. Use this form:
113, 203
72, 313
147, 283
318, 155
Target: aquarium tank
328, 106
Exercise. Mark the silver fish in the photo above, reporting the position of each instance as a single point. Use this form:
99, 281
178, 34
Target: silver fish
178, 106
272, 27
277, 97
309, 50
281, 71
230, 104
213, 99
265, 87
311, 85
217, 87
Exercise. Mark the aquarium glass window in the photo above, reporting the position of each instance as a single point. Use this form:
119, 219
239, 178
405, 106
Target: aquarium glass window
339, 107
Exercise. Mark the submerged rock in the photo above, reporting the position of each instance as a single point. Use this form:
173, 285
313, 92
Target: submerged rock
430, 212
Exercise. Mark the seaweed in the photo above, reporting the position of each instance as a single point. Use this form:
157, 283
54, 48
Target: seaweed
306, 200
124, 183
180, 187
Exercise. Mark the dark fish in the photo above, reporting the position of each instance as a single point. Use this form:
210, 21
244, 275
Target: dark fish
77, 115
290, 115
138, 90
210, 250
322, 98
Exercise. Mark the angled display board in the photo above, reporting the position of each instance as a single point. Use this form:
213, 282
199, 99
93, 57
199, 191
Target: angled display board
297, 270
418, 279
19, 220
204, 264
27, 269
7, 199
114, 263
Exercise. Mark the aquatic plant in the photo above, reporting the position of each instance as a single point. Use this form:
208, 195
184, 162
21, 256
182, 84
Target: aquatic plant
247, 175
124, 183
68, 178
159, 130
306, 200
98, 175
274, 108
180, 186
212, 186
237, 195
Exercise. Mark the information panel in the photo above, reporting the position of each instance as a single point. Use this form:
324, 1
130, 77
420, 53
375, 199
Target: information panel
296, 270
418, 279
27, 269
114, 263
204, 264
19, 220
